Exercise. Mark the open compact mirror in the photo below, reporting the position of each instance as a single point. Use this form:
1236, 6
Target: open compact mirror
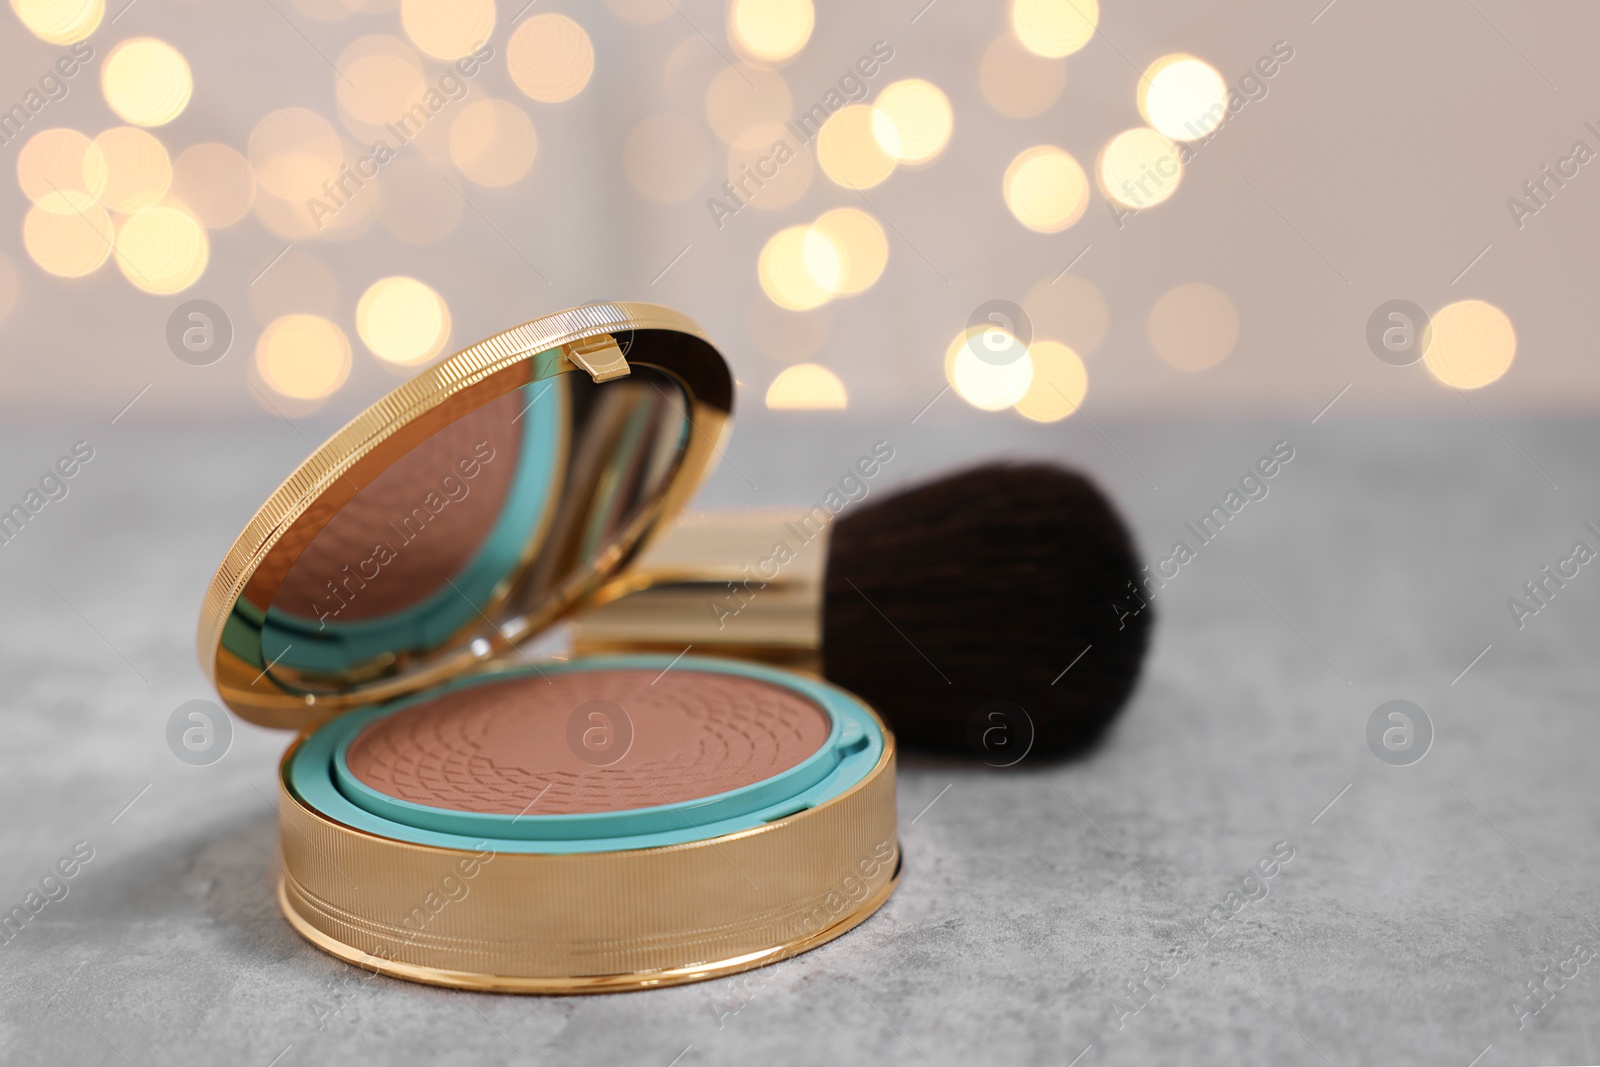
510, 497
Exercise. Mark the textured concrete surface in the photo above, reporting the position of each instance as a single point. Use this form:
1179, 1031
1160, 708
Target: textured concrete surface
1419, 901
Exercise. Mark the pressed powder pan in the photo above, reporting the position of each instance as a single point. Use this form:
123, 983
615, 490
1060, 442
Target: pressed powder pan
456, 812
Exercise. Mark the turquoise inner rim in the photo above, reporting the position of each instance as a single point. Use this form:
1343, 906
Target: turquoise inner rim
317, 774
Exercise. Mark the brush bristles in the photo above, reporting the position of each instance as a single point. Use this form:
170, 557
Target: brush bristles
980, 587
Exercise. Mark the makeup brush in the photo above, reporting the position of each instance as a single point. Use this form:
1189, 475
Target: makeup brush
949, 606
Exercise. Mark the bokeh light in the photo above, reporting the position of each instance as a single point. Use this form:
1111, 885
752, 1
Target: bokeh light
849, 151
1194, 326
60, 161
860, 251
1470, 343
1139, 168
146, 81
294, 152
402, 321
215, 182
60, 21
162, 249
1183, 97
770, 31
912, 120
667, 158
550, 58
1054, 28
765, 168
492, 142
807, 387
985, 385
383, 79
1019, 83
447, 29
1059, 383
1046, 189
1071, 309
305, 357
138, 172
739, 97
788, 266
67, 234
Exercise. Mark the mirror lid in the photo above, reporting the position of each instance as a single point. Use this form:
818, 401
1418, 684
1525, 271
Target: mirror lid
575, 539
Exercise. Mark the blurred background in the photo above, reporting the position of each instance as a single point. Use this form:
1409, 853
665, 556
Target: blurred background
1198, 209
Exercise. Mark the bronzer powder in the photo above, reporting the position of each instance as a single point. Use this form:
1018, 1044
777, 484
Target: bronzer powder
517, 746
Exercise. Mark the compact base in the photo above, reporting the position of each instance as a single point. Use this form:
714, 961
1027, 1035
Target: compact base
502, 917
610, 983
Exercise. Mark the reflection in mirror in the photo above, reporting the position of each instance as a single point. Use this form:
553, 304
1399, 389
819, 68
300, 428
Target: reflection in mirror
494, 523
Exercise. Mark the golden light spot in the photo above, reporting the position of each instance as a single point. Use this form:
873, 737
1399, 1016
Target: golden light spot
60, 161
640, 11
9, 287
770, 31
137, 170
807, 387
1046, 189
1054, 27
1070, 308
1139, 168
294, 152
765, 168
60, 21
1194, 326
447, 29
824, 260
860, 250
162, 249
787, 264
1469, 344
1060, 381
550, 58
1183, 97
912, 120
67, 234
303, 356
410, 205
1019, 83
402, 321
215, 183
739, 97
383, 79
306, 285
492, 142
667, 158
146, 81
985, 385
849, 151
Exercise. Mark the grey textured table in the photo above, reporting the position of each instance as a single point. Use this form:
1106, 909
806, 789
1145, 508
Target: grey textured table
1419, 902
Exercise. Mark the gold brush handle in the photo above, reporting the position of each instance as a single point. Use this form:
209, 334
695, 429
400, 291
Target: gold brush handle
731, 583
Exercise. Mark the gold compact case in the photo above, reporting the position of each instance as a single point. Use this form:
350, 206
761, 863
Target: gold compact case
465, 804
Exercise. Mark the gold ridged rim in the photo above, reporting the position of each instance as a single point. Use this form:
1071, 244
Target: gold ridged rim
246, 687
591, 922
